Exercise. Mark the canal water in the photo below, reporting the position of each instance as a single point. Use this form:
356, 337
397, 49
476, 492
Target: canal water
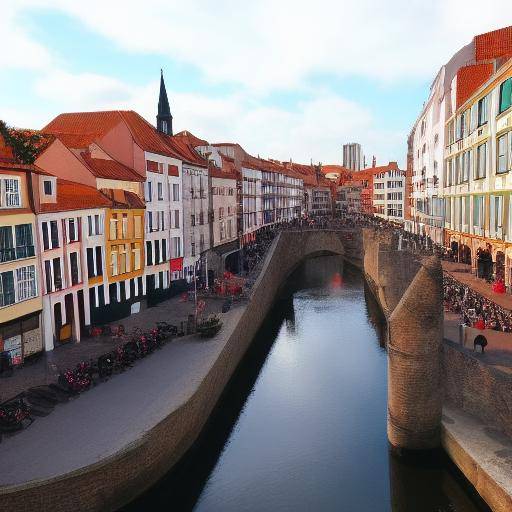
302, 426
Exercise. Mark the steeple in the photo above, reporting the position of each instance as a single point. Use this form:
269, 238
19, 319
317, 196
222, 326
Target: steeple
164, 117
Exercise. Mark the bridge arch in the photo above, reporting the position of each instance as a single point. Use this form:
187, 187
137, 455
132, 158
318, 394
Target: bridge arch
290, 248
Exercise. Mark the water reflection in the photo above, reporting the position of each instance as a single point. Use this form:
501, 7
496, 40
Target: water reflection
302, 425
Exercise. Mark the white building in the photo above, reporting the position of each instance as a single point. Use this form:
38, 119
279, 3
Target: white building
353, 157
389, 192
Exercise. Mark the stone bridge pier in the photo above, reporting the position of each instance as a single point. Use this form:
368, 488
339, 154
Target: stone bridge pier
409, 290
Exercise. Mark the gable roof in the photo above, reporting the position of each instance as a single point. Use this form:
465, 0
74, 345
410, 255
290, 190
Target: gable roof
109, 169
75, 196
88, 127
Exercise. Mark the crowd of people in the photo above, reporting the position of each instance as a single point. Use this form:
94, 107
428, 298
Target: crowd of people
474, 309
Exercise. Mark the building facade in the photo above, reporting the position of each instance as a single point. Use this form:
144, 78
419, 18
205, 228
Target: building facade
353, 158
477, 185
20, 278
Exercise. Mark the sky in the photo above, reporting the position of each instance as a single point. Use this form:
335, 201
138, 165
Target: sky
283, 78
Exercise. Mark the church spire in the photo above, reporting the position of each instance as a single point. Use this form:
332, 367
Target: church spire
164, 117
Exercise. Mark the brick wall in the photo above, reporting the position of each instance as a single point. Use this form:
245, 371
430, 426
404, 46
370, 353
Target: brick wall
481, 390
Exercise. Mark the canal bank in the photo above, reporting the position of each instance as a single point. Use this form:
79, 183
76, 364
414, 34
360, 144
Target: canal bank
137, 426
117, 440
476, 398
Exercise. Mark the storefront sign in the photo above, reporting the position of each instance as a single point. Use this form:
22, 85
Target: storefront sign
176, 264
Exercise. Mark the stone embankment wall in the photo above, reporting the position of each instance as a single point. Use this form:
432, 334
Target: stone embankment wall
409, 291
389, 272
111, 483
477, 388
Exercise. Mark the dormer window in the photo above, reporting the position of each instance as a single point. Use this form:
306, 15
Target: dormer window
10, 196
48, 188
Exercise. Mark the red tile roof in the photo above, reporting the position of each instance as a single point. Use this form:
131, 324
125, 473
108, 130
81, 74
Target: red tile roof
75, 196
469, 79
124, 199
110, 169
92, 126
23, 167
192, 139
76, 141
184, 150
493, 44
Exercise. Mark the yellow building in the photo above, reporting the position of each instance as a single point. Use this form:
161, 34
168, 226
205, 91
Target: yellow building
477, 180
20, 284
124, 240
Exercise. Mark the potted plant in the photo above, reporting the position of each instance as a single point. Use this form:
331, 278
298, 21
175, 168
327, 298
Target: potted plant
210, 327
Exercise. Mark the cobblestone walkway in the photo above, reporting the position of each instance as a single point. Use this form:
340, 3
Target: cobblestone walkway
47, 368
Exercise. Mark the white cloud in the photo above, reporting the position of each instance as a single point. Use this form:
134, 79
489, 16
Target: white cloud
270, 44
262, 46
19, 50
314, 129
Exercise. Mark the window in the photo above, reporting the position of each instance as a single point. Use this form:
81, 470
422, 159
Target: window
7, 295
478, 213
47, 185
24, 241
137, 219
175, 247
113, 228
124, 225
160, 190
53, 275
72, 230
50, 235
149, 253
150, 222
123, 266
91, 271
496, 216
192, 248
149, 191
176, 218
505, 95
466, 165
221, 213
483, 110
175, 192
157, 252
164, 249
10, 196
7, 251
75, 273
95, 225
161, 220
136, 256
481, 161
193, 220
113, 261
503, 157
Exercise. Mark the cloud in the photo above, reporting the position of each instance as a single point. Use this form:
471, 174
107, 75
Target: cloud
19, 49
313, 129
277, 44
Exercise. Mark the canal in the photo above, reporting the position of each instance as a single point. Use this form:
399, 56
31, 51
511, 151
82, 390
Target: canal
302, 426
